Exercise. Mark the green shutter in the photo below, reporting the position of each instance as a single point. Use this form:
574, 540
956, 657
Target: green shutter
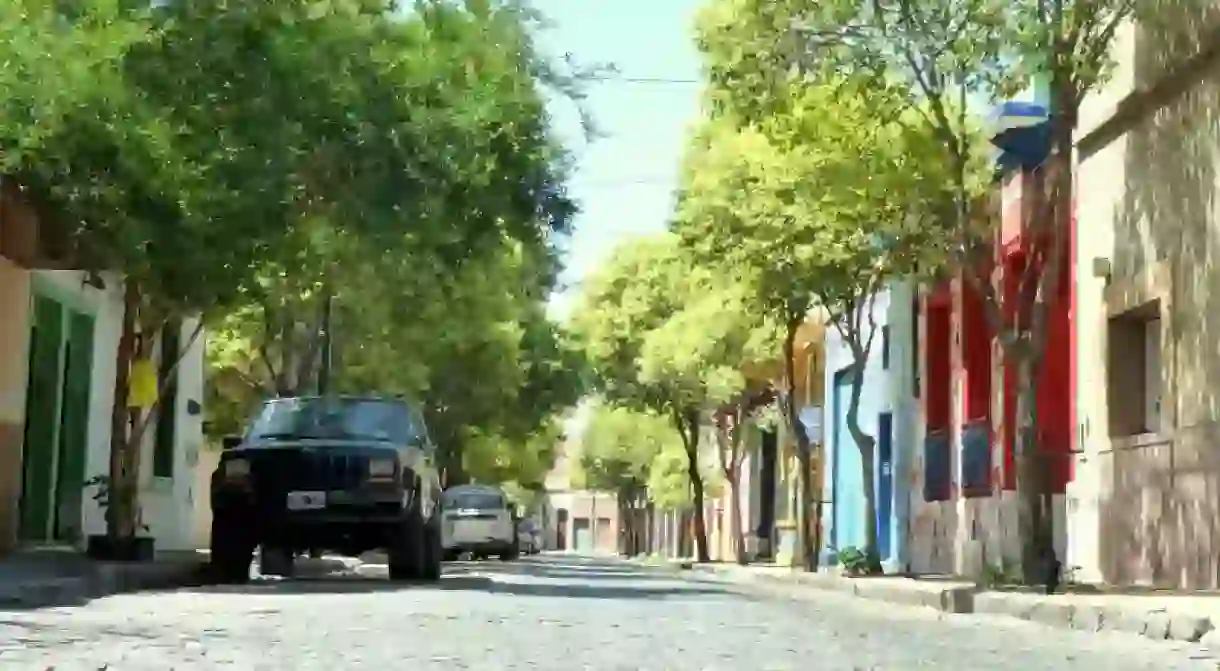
74, 426
41, 420
163, 445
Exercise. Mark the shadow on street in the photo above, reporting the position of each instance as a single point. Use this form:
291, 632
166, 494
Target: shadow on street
560, 578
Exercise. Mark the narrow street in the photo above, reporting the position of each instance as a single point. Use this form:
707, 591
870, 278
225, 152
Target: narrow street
556, 613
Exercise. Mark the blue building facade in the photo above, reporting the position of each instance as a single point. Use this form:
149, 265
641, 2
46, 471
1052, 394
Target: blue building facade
887, 412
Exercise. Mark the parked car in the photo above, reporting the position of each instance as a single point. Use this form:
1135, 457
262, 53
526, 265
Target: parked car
340, 474
529, 537
479, 520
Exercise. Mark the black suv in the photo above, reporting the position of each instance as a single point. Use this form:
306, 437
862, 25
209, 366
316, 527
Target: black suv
344, 474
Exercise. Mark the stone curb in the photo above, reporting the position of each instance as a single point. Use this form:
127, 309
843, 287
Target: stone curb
942, 596
102, 580
1155, 623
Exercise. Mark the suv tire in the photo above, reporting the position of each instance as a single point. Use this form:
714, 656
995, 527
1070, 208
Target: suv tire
277, 561
408, 545
434, 554
232, 550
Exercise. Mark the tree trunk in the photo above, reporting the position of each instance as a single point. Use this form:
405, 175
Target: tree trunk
808, 539
689, 426
120, 518
624, 522
735, 527
650, 528
868, 465
1030, 477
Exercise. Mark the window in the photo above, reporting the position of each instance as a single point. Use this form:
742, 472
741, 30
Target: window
472, 500
167, 415
1134, 377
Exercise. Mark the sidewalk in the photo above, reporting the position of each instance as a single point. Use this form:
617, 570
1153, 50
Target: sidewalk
42, 578
1155, 615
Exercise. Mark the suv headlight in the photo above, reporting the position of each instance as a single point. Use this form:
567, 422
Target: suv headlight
382, 469
237, 468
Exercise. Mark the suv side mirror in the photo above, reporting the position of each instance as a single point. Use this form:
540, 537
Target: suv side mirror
230, 442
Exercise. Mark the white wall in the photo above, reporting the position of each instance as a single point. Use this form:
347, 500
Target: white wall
166, 503
884, 390
169, 503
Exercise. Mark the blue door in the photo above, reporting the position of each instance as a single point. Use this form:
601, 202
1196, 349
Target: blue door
848, 529
885, 483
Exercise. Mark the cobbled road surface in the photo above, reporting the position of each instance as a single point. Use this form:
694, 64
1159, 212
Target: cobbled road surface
559, 613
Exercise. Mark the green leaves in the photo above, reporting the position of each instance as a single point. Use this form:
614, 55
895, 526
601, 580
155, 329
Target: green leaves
664, 334
627, 452
405, 166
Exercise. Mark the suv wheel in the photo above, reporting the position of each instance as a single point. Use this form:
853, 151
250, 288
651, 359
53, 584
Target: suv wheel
434, 554
231, 551
407, 547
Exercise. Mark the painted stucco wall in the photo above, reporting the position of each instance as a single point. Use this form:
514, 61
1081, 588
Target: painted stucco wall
961, 536
885, 390
166, 502
14, 348
1145, 508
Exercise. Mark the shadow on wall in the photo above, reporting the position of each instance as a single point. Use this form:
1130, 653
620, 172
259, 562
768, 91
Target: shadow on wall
1160, 500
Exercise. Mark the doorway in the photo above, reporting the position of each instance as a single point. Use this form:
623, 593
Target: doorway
582, 535
561, 529
885, 483
56, 422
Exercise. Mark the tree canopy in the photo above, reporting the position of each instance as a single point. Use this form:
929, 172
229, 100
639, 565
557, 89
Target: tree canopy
265, 162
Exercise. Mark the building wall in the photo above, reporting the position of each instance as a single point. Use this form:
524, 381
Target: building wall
888, 379
14, 347
586, 505
1145, 506
166, 502
961, 534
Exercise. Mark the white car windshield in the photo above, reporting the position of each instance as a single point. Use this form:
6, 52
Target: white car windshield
473, 501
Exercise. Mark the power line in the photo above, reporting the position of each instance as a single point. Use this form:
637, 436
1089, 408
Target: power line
647, 81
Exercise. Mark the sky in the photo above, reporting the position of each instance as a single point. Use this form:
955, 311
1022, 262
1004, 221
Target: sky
625, 178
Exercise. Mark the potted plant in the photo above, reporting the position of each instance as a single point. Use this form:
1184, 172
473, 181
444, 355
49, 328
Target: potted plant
854, 562
140, 547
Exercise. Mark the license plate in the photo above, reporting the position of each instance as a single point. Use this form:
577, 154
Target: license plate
306, 500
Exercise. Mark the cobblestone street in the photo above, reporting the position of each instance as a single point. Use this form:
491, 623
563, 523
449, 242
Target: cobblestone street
554, 613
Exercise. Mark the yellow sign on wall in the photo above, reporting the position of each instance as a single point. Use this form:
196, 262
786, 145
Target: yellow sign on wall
142, 387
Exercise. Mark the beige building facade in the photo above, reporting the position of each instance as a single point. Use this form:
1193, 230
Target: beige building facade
1144, 507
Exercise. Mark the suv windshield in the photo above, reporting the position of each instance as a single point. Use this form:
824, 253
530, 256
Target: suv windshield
335, 418
473, 501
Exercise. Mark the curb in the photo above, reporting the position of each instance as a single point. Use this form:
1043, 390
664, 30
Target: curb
946, 597
104, 580
1156, 623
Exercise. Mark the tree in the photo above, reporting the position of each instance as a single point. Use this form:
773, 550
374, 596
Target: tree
666, 336
617, 451
731, 421
643, 286
829, 182
707, 347
210, 148
947, 56
430, 317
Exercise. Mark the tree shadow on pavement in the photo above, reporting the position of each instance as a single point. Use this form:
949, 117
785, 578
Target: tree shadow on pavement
364, 584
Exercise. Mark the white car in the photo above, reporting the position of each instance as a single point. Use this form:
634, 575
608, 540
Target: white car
479, 520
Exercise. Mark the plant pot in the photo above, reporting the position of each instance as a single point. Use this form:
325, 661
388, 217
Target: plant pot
105, 548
